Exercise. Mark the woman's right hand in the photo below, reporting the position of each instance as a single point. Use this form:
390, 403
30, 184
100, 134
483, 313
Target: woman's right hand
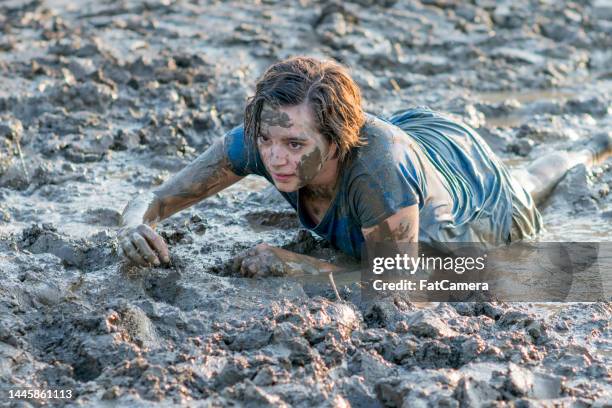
142, 245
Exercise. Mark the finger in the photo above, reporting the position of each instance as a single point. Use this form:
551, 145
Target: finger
257, 268
243, 271
129, 250
246, 267
143, 247
263, 271
276, 269
156, 241
259, 273
237, 263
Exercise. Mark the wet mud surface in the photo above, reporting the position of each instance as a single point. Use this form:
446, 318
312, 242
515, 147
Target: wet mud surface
105, 100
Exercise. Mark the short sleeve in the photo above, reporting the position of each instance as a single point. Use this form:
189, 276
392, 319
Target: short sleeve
242, 155
377, 196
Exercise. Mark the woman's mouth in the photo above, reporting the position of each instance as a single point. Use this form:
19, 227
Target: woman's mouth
281, 177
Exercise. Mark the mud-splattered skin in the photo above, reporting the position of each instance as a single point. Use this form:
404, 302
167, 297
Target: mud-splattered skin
391, 230
274, 117
401, 227
266, 260
205, 176
298, 157
318, 199
293, 151
310, 165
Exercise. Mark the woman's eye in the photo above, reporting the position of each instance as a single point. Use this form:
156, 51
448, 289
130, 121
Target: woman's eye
295, 146
262, 139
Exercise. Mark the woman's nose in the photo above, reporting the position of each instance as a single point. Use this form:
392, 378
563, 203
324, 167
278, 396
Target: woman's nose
277, 156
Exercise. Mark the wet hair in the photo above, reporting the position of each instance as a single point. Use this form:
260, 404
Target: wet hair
327, 88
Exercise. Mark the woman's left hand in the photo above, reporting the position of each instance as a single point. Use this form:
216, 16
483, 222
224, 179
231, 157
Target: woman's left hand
259, 261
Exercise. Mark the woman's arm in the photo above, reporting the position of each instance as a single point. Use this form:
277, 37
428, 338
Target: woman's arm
401, 227
205, 176
266, 260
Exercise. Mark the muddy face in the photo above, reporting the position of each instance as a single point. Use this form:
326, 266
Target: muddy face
310, 165
275, 117
293, 151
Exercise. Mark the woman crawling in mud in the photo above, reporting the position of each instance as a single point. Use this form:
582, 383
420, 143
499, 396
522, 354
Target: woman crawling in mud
353, 177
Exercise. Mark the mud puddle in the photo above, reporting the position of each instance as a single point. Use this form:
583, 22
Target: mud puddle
109, 100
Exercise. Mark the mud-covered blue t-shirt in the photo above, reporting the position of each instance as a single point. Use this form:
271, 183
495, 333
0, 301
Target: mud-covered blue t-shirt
417, 156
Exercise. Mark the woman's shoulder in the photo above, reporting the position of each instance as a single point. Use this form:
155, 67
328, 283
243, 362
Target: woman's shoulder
379, 178
377, 126
384, 142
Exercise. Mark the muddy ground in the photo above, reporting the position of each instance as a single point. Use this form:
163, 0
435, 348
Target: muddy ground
103, 100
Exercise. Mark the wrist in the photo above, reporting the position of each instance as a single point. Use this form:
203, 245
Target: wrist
140, 209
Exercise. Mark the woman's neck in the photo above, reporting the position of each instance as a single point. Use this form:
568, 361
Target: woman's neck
324, 185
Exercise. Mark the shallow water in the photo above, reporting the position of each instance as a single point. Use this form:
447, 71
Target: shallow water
526, 96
